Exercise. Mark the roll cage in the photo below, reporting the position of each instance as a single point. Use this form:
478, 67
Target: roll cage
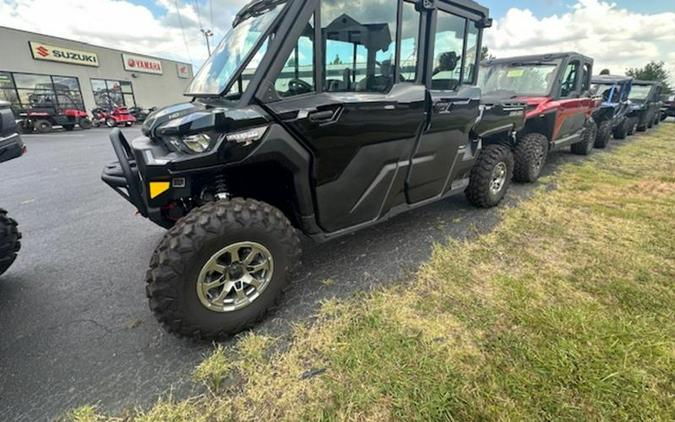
619, 91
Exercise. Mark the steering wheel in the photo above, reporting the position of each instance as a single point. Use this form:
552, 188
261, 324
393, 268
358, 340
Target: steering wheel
298, 86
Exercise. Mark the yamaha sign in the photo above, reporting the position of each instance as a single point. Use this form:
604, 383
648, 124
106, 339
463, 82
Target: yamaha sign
141, 64
51, 53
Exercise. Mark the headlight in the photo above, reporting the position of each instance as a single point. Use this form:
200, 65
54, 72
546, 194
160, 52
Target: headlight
192, 143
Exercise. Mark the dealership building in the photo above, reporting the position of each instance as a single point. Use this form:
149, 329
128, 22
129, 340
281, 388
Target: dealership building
74, 74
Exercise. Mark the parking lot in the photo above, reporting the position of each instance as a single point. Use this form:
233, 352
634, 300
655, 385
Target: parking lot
74, 321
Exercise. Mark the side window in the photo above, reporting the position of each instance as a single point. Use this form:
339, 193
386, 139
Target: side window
471, 53
297, 76
410, 29
569, 81
359, 45
448, 51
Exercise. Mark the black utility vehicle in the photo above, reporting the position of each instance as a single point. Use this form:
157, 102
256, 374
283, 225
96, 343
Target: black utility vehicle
319, 116
668, 108
556, 89
611, 116
11, 147
645, 98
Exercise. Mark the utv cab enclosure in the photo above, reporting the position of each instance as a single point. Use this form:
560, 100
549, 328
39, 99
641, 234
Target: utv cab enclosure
312, 116
556, 88
611, 116
645, 98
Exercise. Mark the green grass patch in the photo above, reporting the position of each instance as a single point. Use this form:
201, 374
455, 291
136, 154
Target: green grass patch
563, 312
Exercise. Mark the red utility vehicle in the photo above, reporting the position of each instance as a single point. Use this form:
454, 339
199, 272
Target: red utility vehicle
54, 108
117, 116
556, 88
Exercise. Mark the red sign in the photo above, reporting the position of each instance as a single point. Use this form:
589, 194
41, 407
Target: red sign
142, 64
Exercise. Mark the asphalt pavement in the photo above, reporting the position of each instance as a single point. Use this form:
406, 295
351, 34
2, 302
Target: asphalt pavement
75, 327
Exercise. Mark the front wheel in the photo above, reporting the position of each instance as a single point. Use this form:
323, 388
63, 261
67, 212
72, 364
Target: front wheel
110, 122
621, 131
9, 241
43, 126
529, 157
604, 134
491, 176
221, 268
585, 146
85, 123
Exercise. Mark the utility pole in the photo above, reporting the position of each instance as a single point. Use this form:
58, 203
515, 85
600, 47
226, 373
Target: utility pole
207, 33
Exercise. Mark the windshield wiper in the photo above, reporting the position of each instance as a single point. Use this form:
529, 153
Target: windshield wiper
256, 8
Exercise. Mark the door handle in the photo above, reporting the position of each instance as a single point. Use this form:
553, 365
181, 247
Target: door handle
321, 116
443, 106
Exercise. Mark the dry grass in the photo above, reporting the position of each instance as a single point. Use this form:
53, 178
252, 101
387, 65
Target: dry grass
564, 312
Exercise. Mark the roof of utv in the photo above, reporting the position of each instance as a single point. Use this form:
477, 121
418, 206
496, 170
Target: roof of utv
610, 79
469, 5
654, 83
537, 58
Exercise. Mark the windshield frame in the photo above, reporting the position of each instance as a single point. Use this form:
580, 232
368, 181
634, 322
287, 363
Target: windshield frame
236, 75
556, 64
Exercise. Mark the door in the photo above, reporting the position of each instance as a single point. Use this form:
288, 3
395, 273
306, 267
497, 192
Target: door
452, 106
573, 107
362, 118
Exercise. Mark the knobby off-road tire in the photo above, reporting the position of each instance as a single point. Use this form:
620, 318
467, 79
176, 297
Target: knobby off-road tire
585, 147
604, 134
491, 176
9, 241
43, 126
621, 131
175, 267
529, 157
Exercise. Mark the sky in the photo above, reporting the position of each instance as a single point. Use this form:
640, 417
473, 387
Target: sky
617, 34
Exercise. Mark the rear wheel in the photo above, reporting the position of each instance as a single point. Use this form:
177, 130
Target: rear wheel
221, 268
85, 123
9, 241
529, 157
43, 126
604, 134
585, 146
621, 131
490, 176
110, 122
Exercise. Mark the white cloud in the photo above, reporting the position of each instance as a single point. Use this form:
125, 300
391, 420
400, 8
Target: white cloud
616, 38
124, 25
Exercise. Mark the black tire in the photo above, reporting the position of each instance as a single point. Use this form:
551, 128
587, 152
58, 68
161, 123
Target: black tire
650, 123
176, 263
85, 123
9, 241
604, 134
69, 128
128, 124
621, 131
632, 126
110, 122
657, 119
43, 126
585, 146
529, 157
479, 191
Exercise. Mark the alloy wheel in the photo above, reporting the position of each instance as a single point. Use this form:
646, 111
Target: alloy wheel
498, 178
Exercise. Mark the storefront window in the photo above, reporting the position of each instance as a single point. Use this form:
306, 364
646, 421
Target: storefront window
28, 90
110, 93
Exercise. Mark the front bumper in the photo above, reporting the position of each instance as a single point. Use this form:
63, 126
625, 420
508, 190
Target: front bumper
138, 168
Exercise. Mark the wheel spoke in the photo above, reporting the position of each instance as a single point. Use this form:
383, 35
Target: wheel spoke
227, 288
264, 265
234, 254
252, 281
239, 292
251, 256
217, 268
213, 284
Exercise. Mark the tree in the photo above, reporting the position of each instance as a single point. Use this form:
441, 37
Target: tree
605, 72
485, 54
653, 71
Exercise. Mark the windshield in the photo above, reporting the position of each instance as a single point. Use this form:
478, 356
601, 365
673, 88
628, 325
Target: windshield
640, 92
602, 90
236, 46
524, 79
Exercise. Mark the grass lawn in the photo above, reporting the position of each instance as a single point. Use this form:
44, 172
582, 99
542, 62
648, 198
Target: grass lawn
564, 312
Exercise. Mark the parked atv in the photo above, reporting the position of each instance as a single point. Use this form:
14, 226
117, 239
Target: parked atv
611, 117
11, 147
45, 111
556, 88
668, 108
646, 104
112, 117
141, 114
275, 145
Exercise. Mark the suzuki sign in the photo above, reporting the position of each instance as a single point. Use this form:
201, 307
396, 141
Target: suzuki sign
141, 64
50, 53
